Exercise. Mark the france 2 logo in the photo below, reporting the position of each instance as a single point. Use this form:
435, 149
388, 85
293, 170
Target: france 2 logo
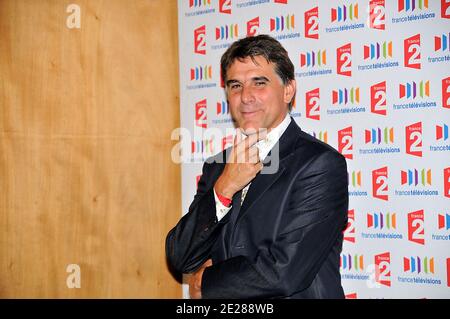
200, 40
413, 137
380, 183
445, 9
378, 98
349, 232
416, 230
446, 93
383, 269
344, 60
312, 23
200, 113
252, 26
345, 142
225, 6
313, 104
377, 14
412, 52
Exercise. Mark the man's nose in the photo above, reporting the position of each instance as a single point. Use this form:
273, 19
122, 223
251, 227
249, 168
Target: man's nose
247, 95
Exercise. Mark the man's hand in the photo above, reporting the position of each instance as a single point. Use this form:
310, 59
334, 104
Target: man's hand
242, 166
195, 281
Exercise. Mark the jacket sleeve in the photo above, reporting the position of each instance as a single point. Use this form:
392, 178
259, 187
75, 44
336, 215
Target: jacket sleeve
189, 243
311, 225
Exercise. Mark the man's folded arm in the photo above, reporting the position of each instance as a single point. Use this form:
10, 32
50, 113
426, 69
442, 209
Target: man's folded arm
189, 243
316, 217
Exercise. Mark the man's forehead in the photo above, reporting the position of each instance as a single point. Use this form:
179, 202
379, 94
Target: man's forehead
257, 63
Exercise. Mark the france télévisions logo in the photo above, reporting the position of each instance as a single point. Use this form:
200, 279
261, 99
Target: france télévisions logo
355, 182
412, 10
412, 5
200, 7
313, 58
418, 265
379, 135
377, 13
353, 262
416, 92
201, 113
383, 268
344, 13
378, 50
380, 141
199, 3
414, 177
445, 9
378, 104
252, 27
442, 137
412, 51
413, 139
344, 60
416, 182
354, 178
226, 32
222, 113
444, 221
200, 73
442, 42
201, 77
381, 226
313, 104
416, 229
382, 221
349, 232
348, 101
344, 18
442, 132
202, 149
312, 23
321, 135
315, 61
443, 225
200, 40
380, 186
225, 6
441, 49
282, 23
446, 93
345, 142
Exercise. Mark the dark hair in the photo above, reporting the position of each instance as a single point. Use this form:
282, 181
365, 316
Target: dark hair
260, 45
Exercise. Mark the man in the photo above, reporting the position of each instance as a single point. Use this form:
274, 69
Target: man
254, 235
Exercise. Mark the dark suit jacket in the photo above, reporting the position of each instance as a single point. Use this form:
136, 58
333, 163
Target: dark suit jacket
285, 240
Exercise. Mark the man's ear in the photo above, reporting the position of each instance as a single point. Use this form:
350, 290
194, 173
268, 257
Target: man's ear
289, 91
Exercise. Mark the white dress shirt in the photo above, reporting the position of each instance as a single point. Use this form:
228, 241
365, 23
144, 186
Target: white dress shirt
264, 147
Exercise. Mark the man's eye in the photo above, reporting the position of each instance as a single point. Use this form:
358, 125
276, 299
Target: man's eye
260, 83
235, 86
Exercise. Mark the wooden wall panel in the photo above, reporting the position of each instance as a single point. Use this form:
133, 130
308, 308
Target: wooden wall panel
85, 170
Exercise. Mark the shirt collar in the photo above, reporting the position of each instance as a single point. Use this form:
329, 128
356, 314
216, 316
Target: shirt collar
264, 146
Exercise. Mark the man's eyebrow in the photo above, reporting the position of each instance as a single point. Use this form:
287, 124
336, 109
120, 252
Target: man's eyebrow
231, 82
260, 78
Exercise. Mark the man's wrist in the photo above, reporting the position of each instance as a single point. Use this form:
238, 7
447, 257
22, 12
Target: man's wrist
226, 201
223, 191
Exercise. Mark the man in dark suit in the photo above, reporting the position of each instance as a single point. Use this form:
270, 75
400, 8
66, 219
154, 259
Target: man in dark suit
255, 232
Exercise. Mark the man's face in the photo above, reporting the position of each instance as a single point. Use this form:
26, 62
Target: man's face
256, 94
